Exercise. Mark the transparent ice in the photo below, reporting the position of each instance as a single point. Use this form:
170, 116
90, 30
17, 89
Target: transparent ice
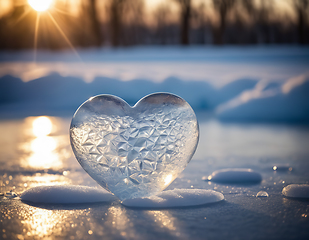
134, 151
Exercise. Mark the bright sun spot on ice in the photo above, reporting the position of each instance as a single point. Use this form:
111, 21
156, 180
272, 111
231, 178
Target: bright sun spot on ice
42, 126
168, 179
40, 5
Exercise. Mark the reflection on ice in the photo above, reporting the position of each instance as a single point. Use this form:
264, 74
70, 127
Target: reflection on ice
164, 220
41, 126
43, 154
43, 150
120, 222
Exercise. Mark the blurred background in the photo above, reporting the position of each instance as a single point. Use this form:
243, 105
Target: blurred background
89, 23
238, 60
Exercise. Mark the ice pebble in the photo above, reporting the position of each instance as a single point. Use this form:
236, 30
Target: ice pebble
235, 175
66, 194
296, 191
176, 198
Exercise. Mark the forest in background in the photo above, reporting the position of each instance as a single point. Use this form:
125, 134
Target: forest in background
88, 23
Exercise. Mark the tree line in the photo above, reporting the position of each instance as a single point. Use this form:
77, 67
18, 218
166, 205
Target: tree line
126, 23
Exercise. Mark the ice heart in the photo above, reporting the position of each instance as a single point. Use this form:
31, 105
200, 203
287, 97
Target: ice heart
134, 151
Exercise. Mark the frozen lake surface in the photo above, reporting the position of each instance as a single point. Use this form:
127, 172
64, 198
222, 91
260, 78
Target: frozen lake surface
280, 153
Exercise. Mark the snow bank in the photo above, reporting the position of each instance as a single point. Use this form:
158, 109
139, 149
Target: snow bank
67, 93
296, 191
176, 198
288, 102
66, 195
235, 175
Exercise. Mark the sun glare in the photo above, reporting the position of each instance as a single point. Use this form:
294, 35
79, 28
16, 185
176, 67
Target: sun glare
168, 179
42, 126
40, 5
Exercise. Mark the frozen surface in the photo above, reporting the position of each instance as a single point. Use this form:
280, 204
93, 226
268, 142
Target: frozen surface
176, 198
66, 194
296, 191
235, 175
28, 160
134, 152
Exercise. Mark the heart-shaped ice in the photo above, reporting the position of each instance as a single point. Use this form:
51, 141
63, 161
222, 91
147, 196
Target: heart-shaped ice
134, 151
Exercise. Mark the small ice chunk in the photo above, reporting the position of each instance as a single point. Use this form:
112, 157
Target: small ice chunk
176, 198
262, 194
296, 191
11, 195
235, 175
1, 194
66, 194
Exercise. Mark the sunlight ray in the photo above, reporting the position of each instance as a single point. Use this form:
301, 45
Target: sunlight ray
63, 12
21, 17
37, 22
64, 36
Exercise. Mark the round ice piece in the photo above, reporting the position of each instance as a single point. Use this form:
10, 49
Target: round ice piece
11, 195
235, 175
134, 151
282, 167
176, 198
296, 191
66, 194
262, 194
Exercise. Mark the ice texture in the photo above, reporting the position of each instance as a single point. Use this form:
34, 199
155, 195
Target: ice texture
66, 194
296, 191
176, 198
235, 175
134, 151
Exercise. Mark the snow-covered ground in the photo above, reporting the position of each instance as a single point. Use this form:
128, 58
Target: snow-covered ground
234, 84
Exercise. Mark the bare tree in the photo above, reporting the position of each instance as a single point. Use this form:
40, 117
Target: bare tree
222, 7
162, 14
95, 23
116, 11
301, 7
185, 12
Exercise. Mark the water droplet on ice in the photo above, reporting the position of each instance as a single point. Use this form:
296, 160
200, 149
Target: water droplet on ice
262, 194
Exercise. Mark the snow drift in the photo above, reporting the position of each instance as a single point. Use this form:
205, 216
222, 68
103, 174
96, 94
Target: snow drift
270, 102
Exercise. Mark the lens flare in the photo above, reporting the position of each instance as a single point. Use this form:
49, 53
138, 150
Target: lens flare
40, 5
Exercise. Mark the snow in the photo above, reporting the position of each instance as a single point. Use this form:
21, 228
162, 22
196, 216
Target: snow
176, 198
66, 194
296, 191
216, 65
270, 102
268, 84
235, 175
70, 194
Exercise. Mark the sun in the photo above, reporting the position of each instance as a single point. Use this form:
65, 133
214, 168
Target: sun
40, 5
